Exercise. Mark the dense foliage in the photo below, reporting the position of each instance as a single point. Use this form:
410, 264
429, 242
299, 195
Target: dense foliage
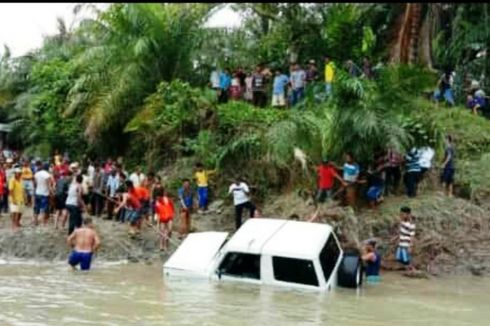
133, 82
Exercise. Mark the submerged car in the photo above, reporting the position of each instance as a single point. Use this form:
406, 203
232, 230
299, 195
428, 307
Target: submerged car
270, 252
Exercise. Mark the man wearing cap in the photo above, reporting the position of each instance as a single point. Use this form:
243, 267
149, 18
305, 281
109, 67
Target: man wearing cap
16, 198
43, 186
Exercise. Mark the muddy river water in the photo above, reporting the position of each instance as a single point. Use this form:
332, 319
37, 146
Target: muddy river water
135, 294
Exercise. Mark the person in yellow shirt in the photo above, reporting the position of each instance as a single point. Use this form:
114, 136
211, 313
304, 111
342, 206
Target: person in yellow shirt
16, 198
27, 182
202, 176
329, 75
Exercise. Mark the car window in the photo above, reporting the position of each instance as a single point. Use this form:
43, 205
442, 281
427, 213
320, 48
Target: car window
294, 270
241, 265
329, 256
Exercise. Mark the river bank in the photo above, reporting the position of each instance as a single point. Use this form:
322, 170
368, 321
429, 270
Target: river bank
452, 233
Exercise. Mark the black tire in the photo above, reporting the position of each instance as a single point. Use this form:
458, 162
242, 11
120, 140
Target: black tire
350, 273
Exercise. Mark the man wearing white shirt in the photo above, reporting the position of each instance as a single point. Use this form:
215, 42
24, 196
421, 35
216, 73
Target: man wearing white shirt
241, 200
137, 178
426, 155
43, 187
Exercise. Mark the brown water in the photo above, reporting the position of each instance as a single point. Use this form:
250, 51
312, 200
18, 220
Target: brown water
126, 294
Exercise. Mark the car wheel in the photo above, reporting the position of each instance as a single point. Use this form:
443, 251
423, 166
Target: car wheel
349, 274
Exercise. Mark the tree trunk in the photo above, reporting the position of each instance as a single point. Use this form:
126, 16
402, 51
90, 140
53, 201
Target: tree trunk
409, 42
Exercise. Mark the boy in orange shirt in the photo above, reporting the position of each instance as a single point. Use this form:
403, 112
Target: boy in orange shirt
164, 207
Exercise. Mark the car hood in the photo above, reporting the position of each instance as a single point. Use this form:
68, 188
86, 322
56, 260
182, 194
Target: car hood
197, 252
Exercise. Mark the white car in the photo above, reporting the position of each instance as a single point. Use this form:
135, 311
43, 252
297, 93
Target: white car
269, 251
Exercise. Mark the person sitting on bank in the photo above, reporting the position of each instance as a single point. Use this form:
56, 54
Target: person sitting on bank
85, 242
372, 261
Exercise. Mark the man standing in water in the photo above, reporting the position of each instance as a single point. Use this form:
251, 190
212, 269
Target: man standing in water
372, 261
405, 239
85, 242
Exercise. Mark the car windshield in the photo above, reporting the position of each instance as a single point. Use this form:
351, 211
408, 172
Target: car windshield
240, 265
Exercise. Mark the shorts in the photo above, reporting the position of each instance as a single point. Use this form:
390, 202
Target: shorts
41, 204
447, 176
373, 279
82, 258
323, 194
374, 193
60, 202
132, 215
145, 207
165, 219
28, 187
403, 256
278, 100
16, 208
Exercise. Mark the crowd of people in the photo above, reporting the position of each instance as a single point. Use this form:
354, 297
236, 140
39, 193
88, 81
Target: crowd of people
61, 191
288, 88
384, 175
476, 99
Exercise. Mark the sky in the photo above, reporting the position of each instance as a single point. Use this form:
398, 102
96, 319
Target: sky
23, 25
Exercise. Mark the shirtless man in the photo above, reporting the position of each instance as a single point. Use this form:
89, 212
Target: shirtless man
85, 242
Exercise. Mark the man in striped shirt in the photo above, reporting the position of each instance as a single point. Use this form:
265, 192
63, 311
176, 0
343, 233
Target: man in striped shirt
405, 238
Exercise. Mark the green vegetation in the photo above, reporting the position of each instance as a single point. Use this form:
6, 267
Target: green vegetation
133, 82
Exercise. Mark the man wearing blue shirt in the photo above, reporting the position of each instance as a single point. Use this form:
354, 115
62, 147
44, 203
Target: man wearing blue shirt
224, 85
278, 90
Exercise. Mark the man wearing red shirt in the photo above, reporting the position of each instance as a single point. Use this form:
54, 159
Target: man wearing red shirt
326, 176
61, 170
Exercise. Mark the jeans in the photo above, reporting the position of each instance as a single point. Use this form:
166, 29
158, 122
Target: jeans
239, 210
328, 89
323, 194
297, 95
75, 219
4, 201
411, 179
448, 96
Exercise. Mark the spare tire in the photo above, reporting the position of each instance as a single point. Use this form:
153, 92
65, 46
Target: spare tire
349, 274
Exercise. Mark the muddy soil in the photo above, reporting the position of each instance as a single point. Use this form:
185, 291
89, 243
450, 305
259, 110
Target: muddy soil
452, 234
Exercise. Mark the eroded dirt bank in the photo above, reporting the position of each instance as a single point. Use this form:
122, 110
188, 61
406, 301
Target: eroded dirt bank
452, 234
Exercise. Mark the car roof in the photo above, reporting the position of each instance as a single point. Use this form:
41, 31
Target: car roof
280, 237
253, 235
298, 240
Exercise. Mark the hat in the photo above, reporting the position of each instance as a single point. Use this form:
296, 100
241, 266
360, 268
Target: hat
10, 160
312, 61
74, 165
17, 170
